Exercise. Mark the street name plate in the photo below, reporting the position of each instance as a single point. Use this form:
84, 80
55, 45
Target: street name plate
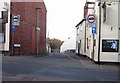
17, 45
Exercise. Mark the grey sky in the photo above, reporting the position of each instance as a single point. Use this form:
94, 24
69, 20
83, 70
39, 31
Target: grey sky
62, 16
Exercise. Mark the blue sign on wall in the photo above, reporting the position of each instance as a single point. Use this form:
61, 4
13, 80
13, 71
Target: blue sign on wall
13, 28
93, 30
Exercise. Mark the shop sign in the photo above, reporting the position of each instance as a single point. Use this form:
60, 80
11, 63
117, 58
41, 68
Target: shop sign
110, 45
5, 5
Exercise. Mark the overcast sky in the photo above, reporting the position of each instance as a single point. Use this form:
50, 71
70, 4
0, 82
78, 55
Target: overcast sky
63, 16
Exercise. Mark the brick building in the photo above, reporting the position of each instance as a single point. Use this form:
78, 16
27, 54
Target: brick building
26, 34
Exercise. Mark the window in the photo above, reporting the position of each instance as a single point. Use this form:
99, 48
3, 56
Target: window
2, 33
80, 43
4, 17
94, 42
76, 44
77, 30
81, 28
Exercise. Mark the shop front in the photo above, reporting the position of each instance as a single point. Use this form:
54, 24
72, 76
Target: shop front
4, 25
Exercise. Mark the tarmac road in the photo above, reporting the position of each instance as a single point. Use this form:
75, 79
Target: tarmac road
56, 67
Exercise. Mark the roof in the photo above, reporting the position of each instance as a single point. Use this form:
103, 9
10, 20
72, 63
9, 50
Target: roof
80, 22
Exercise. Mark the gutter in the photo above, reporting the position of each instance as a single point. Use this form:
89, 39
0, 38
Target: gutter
80, 22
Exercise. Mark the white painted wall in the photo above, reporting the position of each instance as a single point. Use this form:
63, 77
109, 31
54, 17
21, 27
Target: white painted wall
48, 48
106, 33
68, 44
80, 37
6, 44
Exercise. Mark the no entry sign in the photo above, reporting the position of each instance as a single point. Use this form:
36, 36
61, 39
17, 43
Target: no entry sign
16, 20
91, 20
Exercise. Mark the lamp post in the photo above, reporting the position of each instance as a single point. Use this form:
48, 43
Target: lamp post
37, 28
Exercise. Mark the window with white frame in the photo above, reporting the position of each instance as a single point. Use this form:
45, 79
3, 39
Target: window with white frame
77, 30
81, 27
2, 33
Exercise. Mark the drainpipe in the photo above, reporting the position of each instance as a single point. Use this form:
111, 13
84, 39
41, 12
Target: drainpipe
37, 28
99, 32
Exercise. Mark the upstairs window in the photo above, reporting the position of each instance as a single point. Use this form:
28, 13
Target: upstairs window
77, 30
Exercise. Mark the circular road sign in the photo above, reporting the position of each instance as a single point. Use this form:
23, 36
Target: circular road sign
91, 18
16, 18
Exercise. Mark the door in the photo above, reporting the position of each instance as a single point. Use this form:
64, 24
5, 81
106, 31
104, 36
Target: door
79, 48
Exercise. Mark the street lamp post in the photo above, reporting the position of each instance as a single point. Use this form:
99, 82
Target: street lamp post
37, 28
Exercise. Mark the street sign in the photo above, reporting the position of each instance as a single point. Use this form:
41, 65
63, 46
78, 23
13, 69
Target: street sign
13, 28
93, 30
91, 20
37, 28
17, 45
16, 20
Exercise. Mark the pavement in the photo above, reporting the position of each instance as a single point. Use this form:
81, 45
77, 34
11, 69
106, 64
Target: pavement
91, 64
56, 67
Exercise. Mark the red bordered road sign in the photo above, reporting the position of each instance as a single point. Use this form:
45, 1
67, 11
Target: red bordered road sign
16, 18
91, 18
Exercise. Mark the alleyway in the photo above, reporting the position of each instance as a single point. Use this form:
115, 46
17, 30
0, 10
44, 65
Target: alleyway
56, 67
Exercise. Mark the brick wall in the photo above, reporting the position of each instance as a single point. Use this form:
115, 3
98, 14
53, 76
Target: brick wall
25, 34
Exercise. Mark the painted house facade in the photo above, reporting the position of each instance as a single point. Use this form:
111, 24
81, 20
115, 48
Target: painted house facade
4, 25
68, 46
27, 38
48, 48
103, 46
80, 38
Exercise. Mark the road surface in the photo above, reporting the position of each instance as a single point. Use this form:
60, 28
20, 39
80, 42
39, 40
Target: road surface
56, 67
